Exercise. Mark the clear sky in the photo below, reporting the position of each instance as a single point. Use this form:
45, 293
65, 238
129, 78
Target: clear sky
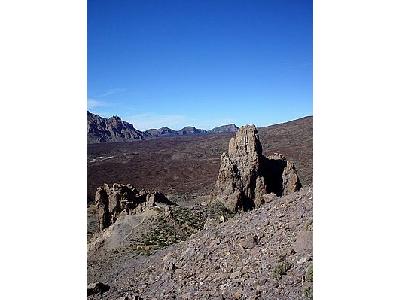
200, 63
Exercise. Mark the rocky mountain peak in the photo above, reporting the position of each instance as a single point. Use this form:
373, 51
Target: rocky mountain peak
191, 130
110, 130
225, 129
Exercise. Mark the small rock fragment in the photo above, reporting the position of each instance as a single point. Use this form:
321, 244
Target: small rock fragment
97, 288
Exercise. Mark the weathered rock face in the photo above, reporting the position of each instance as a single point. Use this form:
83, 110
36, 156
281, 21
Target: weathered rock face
240, 184
111, 201
246, 176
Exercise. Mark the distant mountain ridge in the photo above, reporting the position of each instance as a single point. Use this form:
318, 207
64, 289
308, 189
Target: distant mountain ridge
103, 130
225, 128
165, 131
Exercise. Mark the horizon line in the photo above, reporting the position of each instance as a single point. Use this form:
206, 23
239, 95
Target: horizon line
239, 126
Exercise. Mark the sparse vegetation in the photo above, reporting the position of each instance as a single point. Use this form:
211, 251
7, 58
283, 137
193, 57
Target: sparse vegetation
309, 274
217, 209
177, 227
211, 254
309, 225
181, 224
308, 292
281, 269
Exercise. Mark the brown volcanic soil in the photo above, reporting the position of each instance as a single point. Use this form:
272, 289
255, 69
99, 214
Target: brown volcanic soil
189, 164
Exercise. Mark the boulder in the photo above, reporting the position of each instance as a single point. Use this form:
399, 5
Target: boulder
97, 288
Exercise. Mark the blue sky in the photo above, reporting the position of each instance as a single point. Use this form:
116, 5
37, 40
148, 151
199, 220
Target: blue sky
200, 63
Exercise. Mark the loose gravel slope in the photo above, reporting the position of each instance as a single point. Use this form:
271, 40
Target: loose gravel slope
262, 254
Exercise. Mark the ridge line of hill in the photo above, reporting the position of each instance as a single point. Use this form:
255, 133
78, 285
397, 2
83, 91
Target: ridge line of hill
113, 129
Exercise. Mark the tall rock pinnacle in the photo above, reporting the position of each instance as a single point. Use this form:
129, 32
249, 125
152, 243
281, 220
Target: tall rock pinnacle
245, 175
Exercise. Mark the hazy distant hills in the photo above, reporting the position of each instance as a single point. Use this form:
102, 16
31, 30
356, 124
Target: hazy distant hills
225, 128
102, 130
165, 131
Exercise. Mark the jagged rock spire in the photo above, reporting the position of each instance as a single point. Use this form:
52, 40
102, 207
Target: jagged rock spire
246, 176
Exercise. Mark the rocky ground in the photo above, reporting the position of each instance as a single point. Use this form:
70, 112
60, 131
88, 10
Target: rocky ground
262, 254
202, 241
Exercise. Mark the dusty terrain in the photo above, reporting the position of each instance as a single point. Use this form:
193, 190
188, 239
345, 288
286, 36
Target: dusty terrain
198, 248
188, 165
262, 254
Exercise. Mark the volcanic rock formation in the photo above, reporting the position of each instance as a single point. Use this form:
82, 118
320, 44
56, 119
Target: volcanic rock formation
111, 201
246, 176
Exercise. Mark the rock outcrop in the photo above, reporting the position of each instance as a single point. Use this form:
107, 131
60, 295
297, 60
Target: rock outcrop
240, 184
111, 201
246, 176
